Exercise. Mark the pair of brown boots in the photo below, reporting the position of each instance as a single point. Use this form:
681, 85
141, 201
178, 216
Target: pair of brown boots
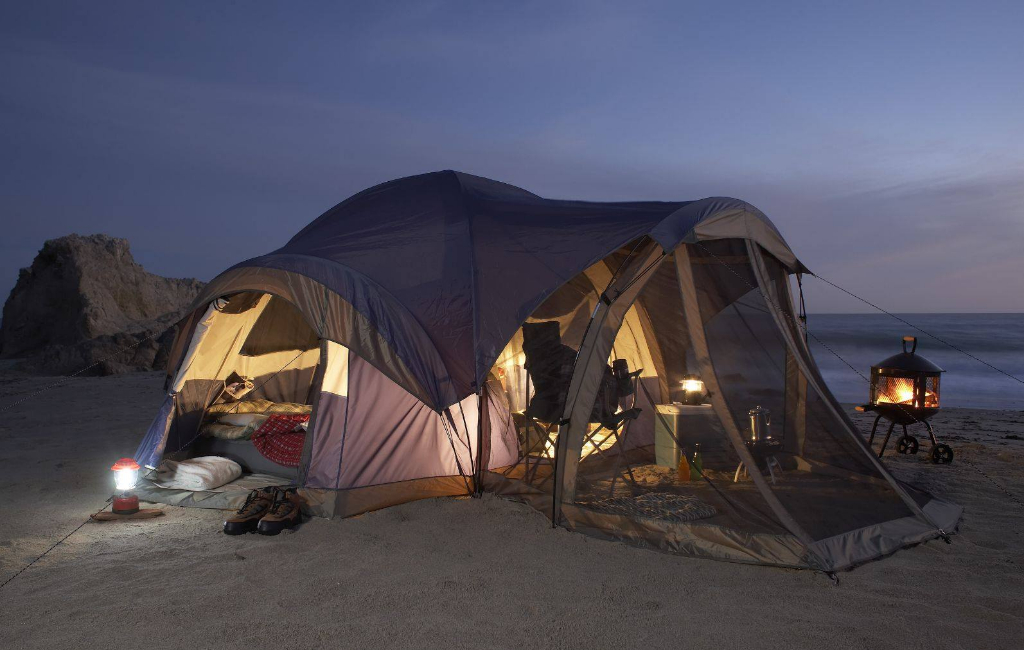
267, 511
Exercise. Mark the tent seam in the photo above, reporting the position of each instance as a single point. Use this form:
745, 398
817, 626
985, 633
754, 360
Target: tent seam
468, 215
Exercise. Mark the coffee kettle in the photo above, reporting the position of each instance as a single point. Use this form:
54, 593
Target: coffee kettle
760, 425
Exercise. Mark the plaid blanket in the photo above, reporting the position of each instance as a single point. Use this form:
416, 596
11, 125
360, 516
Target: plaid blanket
278, 440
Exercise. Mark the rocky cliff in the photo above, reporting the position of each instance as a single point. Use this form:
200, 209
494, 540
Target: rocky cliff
84, 299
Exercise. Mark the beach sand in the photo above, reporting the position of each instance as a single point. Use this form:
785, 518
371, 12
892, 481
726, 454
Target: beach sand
463, 573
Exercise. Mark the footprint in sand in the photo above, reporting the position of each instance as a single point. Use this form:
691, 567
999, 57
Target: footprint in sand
992, 544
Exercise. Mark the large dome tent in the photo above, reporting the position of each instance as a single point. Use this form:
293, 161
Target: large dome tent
448, 334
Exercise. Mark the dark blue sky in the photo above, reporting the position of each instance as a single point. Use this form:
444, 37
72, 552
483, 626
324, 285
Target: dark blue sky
886, 141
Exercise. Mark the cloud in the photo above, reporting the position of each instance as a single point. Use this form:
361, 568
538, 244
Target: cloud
200, 172
947, 244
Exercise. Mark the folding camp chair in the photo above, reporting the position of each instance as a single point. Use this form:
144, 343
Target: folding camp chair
621, 383
534, 444
551, 365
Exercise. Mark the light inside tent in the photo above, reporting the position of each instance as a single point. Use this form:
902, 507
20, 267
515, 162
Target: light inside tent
693, 390
511, 372
693, 385
596, 439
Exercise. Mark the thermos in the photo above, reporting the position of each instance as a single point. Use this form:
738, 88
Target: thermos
760, 425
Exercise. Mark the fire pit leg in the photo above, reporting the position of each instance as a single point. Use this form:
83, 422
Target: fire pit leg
886, 441
871, 438
931, 433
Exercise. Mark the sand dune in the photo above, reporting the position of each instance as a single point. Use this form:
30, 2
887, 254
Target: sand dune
463, 573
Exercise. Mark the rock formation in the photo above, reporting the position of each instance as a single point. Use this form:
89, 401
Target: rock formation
84, 299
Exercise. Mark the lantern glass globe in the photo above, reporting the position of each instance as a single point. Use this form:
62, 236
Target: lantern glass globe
693, 385
125, 479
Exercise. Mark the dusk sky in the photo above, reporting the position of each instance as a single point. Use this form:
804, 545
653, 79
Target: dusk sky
886, 141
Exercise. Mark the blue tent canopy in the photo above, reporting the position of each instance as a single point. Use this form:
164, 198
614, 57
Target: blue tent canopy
447, 265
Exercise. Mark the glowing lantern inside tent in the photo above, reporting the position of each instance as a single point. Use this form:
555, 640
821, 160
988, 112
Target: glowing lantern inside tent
693, 390
126, 475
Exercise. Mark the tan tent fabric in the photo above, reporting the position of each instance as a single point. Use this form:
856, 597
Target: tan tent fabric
215, 351
743, 224
330, 316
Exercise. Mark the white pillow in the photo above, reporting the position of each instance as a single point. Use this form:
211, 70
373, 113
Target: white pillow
201, 473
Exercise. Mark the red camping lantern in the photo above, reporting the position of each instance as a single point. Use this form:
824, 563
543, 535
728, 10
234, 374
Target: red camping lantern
126, 475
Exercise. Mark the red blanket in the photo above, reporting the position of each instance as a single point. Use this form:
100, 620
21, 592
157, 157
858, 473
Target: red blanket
278, 440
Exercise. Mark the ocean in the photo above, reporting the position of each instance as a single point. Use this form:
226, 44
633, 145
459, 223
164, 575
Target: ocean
865, 339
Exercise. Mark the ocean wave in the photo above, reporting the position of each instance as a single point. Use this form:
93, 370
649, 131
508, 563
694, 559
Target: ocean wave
865, 339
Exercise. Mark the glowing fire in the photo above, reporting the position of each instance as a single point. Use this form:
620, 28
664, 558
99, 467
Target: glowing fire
901, 396
897, 390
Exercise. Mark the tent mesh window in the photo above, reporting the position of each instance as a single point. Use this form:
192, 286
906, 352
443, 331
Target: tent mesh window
533, 374
676, 463
836, 486
670, 464
534, 370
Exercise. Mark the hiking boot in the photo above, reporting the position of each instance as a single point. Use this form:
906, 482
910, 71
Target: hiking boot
285, 513
257, 504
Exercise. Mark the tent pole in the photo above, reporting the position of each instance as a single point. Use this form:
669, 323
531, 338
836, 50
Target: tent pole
483, 440
597, 340
802, 313
698, 338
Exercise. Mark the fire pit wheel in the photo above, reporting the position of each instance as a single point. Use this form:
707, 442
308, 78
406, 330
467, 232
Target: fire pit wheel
907, 444
942, 454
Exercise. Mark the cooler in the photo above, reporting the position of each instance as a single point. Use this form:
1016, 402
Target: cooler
688, 424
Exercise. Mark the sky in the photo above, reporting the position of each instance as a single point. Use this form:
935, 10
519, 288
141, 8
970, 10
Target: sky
886, 141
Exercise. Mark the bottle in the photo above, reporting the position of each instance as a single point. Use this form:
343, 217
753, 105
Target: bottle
684, 470
697, 466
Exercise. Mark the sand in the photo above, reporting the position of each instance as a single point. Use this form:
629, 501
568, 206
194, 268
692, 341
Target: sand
463, 573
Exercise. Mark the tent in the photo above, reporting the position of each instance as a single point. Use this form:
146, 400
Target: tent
447, 334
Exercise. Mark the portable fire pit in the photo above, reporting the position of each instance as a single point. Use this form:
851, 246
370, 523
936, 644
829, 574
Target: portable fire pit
905, 390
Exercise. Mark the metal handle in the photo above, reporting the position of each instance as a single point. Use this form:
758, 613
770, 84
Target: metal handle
913, 341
